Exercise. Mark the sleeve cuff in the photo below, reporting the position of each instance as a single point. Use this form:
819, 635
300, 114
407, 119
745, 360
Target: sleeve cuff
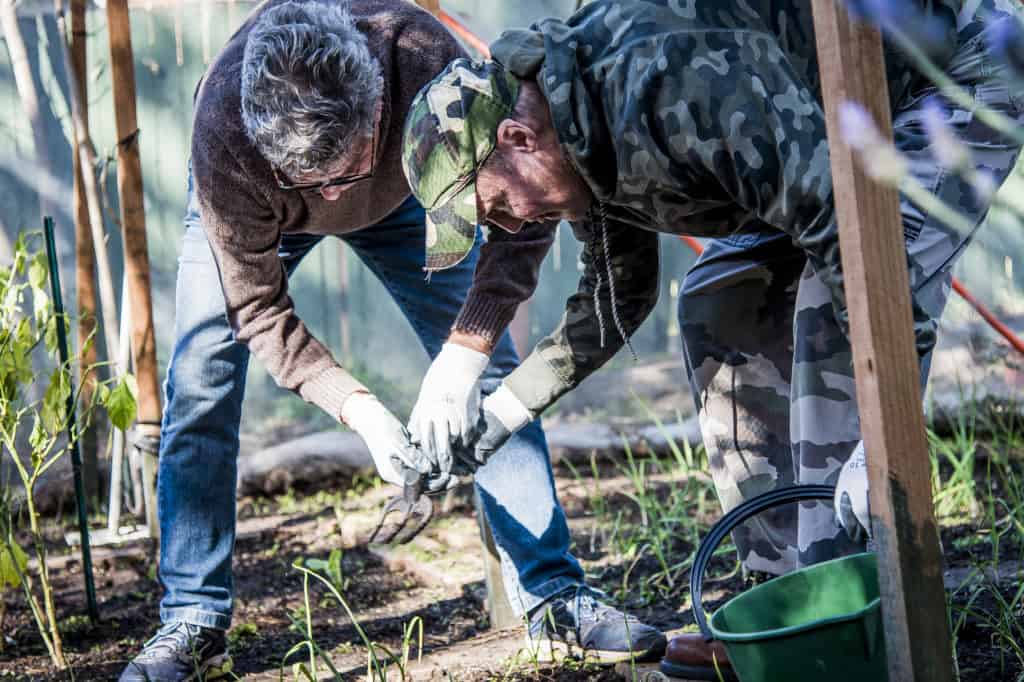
485, 318
536, 384
329, 389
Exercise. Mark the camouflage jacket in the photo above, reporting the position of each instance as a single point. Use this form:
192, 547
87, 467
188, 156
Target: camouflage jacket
700, 117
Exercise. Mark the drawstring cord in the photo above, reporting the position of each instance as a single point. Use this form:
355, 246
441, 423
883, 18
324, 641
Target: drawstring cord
602, 227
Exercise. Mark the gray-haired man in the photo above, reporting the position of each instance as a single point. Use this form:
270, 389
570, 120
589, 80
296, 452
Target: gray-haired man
297, 136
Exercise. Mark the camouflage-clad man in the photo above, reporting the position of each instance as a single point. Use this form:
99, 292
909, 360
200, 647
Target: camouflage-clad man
699, 117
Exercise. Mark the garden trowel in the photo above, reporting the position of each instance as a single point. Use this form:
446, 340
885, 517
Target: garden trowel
404, 515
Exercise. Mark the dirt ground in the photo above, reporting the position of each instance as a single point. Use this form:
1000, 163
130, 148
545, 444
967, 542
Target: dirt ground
439, 579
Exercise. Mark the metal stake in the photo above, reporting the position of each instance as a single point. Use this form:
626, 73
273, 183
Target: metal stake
76, 459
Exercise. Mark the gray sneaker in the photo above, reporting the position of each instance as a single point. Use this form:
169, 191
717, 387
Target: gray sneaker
578, 624
180, 652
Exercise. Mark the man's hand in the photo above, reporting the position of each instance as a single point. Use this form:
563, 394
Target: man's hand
387, 439
501, 415
851, 500
449, 403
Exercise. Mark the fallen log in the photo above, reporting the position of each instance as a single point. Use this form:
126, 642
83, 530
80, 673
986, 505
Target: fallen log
308, 459
329, 454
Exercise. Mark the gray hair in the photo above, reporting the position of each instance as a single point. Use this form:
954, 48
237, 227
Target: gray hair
309, 85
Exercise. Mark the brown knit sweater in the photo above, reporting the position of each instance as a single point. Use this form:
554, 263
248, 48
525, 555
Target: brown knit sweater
245, 213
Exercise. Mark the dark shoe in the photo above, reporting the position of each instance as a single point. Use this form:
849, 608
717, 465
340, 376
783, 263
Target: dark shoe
690, 657
577, 624
180, 652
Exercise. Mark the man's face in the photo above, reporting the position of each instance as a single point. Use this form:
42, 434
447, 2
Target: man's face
527, 179
353, 165
343, 173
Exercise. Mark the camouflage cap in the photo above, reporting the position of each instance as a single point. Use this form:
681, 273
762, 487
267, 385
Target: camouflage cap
450, 131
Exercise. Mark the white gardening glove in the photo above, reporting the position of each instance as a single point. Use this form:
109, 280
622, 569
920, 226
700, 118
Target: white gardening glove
449, 403
385, 436
851, 500
501, 415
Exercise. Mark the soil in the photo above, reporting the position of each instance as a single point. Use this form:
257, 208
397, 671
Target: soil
438, 579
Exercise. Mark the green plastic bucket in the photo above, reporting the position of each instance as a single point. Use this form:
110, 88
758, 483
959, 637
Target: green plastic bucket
819, 623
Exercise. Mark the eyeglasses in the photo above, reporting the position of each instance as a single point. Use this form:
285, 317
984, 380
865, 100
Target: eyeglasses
319, 187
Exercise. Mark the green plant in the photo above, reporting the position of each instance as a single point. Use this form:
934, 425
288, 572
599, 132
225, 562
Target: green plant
34, 416
957, 494
242, 632
331, 568
379, 657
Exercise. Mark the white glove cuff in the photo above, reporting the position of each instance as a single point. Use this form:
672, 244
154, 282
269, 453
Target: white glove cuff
358, 408
509, 410
460, 359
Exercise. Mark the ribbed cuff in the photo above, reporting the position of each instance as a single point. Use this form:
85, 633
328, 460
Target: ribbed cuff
329, 389
484, 317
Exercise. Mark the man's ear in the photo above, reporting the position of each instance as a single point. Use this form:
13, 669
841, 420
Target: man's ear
516, 136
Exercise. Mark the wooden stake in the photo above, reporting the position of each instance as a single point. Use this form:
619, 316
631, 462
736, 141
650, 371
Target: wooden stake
133, 217
87, 160
885, 362
85, 259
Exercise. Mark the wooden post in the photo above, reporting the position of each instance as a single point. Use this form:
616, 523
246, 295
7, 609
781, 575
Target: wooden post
85, 259
133, 224
885, 362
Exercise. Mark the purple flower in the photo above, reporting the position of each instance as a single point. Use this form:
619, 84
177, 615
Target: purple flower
949, 151
857, 127
879, 157
984, 184
1006, 41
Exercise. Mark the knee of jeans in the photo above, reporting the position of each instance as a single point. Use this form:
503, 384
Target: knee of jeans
210, 373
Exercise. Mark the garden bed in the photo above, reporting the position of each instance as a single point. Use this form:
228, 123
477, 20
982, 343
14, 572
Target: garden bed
635, 524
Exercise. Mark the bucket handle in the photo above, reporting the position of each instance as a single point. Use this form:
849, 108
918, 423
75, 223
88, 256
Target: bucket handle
725, 525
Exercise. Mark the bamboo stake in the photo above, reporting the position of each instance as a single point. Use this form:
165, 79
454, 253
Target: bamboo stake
133, 218
87, 159
85, 259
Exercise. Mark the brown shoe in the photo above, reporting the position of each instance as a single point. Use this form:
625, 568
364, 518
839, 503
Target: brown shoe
690, 657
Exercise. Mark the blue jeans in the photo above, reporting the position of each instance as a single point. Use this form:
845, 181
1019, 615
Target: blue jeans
203, 406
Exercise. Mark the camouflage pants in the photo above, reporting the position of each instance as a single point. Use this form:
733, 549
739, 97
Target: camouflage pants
770, 370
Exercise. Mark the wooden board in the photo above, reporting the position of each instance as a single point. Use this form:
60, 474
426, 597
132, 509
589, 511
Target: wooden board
885, 362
